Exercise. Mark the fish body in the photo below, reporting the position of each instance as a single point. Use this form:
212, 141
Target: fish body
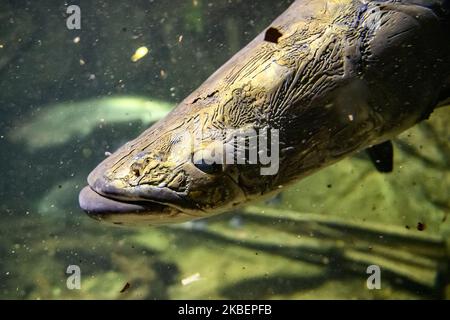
328, 77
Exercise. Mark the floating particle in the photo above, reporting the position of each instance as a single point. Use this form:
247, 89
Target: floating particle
421, 226
125, 287
180, 38
76, 39
350, 117
82, 62
186, 281
139, 54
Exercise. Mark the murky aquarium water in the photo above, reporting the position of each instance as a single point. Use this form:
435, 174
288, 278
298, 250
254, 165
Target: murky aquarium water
76, 84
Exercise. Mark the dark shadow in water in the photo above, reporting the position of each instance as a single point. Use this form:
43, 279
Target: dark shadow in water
333, 258
285, 284
266, 287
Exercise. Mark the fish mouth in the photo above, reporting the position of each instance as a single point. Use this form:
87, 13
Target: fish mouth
138, 205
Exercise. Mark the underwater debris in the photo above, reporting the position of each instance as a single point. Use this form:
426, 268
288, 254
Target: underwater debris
421, 226
139, 54
125, 287
187, 281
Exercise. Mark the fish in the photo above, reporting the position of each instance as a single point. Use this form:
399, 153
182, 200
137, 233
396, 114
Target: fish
325, 80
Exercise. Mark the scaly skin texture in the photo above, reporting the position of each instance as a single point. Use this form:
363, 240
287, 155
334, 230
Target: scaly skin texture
343, 75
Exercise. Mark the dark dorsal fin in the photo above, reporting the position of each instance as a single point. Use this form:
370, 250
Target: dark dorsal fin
382, 156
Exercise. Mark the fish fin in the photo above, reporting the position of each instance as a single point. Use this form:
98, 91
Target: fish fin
382, 156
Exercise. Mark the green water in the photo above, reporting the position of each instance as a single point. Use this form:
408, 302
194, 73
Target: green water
64, 103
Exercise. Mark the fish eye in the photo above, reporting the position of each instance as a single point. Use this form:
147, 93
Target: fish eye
209, 168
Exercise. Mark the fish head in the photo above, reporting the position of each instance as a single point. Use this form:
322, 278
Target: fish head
175, 171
